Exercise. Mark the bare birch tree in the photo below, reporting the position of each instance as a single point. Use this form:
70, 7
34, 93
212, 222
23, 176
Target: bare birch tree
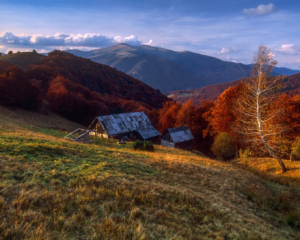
255, 121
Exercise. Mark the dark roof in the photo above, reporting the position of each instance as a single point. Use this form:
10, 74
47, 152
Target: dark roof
180, 134
127, 122
148, 133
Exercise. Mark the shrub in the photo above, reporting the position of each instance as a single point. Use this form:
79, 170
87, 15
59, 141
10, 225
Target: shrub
146, 145
296, 147
137, 145
223, 146
244, 155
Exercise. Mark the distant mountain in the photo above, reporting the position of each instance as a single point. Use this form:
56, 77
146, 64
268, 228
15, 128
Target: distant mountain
2, 54
154, 70
168, 70
282, 71
285, 71
291, 86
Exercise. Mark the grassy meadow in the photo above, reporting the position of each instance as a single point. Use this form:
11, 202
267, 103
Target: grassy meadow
51, 188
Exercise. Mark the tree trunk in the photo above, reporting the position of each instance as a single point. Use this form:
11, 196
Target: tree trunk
291, 157
283, 168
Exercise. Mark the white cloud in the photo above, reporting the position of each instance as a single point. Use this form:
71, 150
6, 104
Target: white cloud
91, 40
260, 10
228, 50
132, 40
290, 49
149, 43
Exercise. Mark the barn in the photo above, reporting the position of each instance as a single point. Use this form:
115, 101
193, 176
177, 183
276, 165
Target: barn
180, 137
134, 125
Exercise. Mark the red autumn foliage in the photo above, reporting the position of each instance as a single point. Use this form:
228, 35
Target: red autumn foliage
223, 114
289, 116
175, 115
16, 90
74, 101
168, 116
76, 88
91, 89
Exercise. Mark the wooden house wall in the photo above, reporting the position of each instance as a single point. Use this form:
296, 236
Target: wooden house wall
184, 145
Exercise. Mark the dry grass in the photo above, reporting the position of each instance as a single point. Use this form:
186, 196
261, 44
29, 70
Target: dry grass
19, 117
269, 168
54, 189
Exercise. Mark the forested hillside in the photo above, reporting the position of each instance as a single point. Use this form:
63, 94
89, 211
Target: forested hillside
74, 87
291, 87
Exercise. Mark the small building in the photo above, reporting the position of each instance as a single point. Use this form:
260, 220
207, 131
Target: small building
134, 125
180, 137
80, 135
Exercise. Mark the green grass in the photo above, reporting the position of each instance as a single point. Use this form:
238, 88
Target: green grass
51, 188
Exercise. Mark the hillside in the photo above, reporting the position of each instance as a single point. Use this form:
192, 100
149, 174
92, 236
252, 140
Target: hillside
22, 59
21, 117
168, 70
51, 188
291, 86
71, 84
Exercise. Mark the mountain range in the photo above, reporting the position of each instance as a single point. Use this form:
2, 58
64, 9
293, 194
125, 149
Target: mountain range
290, 86
169, 70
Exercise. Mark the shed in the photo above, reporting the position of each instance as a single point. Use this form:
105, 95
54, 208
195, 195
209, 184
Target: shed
80, 135
134, 125
180, 137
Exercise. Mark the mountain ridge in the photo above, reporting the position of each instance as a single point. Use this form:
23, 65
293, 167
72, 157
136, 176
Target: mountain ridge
169, 70
291, 86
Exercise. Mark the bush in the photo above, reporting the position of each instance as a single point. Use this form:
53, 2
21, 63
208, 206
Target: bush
146, 145
244, 155
296, 147
137, 145
223, 147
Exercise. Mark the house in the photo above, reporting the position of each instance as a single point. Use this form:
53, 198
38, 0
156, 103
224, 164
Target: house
180, 137
134, 125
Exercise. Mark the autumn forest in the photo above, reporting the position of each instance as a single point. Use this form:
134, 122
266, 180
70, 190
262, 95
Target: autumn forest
80, 89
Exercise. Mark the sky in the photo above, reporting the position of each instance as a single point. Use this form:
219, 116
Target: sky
230, 30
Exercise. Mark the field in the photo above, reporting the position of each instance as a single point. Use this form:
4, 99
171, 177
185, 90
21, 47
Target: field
51, 188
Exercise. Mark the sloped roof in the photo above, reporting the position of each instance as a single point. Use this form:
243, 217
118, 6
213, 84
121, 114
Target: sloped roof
148, 133
126, 122
180, 134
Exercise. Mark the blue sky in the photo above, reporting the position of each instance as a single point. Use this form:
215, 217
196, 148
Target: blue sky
230, 30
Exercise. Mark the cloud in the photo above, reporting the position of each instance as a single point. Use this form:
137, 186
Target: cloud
260, 10
228, 50
149, 43
91, 40
289, 49
131, 40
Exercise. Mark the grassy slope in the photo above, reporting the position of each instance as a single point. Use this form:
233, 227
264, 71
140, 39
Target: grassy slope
35, 119
22, 59
51, 188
